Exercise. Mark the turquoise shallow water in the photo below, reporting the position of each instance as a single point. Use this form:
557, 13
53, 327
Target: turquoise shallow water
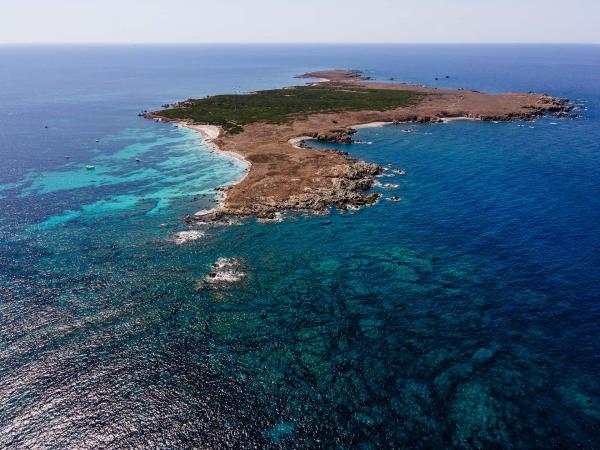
463, 316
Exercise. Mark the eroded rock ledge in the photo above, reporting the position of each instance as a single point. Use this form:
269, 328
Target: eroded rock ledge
285, 177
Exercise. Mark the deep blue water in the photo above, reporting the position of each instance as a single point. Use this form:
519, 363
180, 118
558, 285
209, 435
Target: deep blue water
466, 315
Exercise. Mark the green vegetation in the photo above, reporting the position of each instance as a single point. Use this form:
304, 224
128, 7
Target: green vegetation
232, 112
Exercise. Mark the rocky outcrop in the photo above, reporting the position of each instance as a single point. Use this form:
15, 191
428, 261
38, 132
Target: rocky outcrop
337, 136
342, 186
336, 75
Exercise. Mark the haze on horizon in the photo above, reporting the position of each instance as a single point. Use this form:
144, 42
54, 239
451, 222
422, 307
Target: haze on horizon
308, 21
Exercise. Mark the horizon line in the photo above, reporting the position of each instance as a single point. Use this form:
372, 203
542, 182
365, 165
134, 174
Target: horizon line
293, 43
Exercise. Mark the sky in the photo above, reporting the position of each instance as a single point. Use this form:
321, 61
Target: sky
281, 21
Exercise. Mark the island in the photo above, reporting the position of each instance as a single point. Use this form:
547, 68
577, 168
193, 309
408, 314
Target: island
267, 130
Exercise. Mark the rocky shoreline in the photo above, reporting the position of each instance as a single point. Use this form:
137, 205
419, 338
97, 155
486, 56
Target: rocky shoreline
285, 176
348, 189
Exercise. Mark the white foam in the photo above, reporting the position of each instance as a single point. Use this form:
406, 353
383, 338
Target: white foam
277, 218
224, 263
225, 270
224, 277
186, 236
454, 119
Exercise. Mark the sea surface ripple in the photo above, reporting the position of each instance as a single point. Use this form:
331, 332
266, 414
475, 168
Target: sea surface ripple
464, 315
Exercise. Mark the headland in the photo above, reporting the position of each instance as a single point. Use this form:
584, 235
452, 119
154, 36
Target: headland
267, 129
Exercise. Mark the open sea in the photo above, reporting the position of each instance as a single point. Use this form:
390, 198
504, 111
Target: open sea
466, 315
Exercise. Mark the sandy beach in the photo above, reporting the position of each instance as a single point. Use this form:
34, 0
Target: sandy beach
210, 133
371, 125
297, 141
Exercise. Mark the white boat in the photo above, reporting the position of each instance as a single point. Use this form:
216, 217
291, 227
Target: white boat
90, 167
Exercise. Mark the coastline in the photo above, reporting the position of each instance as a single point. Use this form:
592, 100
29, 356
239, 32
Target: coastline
455, 119
283, 174
298, 142
371, 125
210, 134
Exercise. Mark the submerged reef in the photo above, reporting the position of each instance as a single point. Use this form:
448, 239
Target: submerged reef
431, 366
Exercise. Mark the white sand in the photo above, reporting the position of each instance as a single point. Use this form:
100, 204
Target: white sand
454, 119
295, 142
371, 125
210, 133
382, 124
